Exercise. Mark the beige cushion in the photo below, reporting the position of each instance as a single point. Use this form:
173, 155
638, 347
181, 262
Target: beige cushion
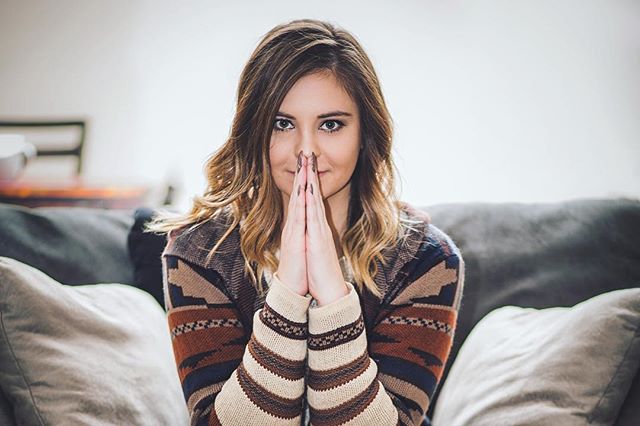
92, 354
555, 366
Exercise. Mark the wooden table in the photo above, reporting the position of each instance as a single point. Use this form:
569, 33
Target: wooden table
76, 191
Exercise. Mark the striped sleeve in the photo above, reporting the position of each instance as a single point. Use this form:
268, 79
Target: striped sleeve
392, 381
224, 377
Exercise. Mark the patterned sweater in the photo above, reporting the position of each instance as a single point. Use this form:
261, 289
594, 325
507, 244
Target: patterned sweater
281, 360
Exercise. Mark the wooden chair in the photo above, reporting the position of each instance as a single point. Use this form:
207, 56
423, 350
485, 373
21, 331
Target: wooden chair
64, 149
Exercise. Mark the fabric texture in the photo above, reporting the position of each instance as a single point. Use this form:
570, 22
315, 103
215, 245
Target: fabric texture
554, 366
73, 245
89, 354
363, 359
6, 411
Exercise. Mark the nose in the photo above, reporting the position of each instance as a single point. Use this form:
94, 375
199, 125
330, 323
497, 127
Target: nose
307, 143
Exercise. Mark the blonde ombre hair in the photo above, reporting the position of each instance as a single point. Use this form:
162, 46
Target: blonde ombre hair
239, 180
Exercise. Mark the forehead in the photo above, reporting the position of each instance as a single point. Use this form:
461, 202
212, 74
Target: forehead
315, 94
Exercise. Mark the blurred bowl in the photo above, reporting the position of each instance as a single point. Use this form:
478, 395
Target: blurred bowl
15, 153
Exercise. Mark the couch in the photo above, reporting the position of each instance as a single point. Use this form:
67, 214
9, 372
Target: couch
548, 329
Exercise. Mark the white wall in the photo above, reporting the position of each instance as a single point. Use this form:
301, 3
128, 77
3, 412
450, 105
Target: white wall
524, 101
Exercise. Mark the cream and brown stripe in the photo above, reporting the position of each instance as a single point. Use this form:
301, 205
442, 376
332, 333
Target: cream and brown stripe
276, 364
282, 325
271, 402
339, 336
324, 380
344, 412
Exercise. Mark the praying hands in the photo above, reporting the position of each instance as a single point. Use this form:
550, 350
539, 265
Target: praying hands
308, 258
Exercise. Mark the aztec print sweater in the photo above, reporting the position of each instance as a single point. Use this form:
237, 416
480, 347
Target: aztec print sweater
281, 360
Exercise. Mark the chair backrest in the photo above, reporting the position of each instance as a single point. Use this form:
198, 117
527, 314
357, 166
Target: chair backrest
67, 143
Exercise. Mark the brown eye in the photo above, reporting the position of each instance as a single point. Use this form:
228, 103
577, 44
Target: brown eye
333, 125
280, 121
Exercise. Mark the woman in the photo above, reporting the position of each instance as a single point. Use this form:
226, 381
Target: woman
298, 288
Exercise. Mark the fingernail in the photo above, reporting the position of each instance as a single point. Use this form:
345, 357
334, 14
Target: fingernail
314, 162
311, 188
299, 189
299, 161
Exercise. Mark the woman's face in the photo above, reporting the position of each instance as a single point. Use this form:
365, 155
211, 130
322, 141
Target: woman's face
318, 116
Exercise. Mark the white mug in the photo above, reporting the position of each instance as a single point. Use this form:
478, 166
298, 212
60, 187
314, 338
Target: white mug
15, 152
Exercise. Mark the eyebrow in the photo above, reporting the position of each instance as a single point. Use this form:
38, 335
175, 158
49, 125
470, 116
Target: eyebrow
325, 115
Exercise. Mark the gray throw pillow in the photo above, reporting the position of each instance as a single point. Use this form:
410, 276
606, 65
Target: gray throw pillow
95, 354
554, 366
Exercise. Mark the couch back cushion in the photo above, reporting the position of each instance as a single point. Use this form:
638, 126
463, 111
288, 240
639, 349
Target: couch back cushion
73, 245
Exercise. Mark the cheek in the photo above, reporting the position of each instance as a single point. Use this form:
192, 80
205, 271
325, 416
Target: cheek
276, 154
345, 154
278, 163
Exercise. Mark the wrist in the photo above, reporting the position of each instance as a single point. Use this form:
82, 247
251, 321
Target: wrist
297, 290
341, 292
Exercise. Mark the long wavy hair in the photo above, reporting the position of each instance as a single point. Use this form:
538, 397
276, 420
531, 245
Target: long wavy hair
239, 179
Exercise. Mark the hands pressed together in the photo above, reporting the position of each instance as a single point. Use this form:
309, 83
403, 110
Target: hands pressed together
308, 259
